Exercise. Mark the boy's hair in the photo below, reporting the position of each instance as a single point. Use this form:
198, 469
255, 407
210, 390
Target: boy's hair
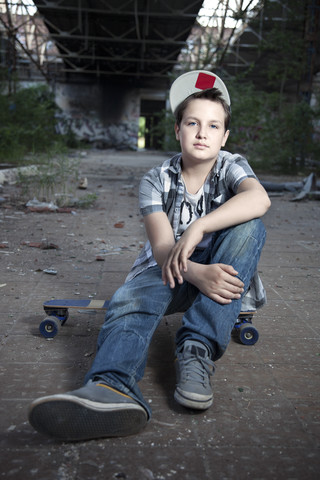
212, 94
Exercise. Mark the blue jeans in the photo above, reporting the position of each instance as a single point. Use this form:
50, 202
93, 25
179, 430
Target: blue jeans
138, 306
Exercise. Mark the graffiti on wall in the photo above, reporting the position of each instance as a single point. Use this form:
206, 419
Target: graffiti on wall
89, 128
86, 111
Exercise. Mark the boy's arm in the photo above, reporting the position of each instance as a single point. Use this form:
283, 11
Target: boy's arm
251, 201
160, 235
218, 282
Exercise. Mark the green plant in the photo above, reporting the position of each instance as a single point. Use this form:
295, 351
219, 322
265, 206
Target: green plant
164, 129
28, 124
87, 200
291, 137
284, 45
273, 135
272, 138
52, 175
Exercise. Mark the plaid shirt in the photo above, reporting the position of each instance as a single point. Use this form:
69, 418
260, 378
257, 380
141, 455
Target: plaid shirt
162, 190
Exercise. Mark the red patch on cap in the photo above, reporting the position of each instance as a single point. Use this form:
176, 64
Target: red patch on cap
205, 81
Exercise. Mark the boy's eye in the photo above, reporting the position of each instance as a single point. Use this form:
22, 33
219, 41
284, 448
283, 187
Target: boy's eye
191, 123
213, 126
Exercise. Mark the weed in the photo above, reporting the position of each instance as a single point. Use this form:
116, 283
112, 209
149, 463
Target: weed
51, 176
87, 200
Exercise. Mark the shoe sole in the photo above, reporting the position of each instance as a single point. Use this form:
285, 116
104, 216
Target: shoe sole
73, 419
188, 402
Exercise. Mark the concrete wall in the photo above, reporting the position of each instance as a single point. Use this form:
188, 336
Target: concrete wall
104, 115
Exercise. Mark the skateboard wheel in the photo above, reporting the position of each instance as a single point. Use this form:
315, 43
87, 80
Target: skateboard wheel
248, 335
49, 327
61, 313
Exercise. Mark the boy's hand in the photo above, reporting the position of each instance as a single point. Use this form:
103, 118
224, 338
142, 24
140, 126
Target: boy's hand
218, 282
177, 259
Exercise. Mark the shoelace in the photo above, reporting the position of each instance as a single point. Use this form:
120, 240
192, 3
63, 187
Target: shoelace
196, 365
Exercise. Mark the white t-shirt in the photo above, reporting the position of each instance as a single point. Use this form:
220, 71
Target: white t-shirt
192, 208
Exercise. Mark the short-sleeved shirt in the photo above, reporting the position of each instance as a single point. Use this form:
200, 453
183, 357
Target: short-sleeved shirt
162, 190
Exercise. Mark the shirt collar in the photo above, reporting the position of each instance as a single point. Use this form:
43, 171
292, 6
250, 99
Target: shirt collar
175, 164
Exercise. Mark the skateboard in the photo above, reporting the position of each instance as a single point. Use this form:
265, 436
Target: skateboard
57, 312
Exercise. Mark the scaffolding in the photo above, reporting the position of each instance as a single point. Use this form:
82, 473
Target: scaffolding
26, 50
134, 40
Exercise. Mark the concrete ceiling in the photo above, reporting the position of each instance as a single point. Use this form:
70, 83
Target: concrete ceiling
132, 41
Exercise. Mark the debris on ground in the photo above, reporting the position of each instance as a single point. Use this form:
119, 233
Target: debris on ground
46, 207
50, 271
42, 245
307, 188
83, 184
119, 225
36, 206
310, 186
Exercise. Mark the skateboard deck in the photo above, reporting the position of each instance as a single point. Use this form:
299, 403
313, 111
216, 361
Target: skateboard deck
57, 312
77, 303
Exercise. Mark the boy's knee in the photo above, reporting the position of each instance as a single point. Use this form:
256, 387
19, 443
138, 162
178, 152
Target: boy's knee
254, 228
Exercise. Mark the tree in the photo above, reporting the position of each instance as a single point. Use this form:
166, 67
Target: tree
273, 124
218, 26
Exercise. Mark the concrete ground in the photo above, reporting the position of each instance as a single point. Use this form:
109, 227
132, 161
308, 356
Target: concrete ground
265, 420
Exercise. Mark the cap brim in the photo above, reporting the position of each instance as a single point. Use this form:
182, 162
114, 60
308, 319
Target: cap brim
193, 82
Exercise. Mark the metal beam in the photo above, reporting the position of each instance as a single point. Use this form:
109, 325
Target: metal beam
179, 12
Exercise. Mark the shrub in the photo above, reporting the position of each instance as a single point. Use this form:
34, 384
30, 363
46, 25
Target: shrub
28, 124
271, 133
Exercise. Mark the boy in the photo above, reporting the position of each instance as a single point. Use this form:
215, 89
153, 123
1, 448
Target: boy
201, 211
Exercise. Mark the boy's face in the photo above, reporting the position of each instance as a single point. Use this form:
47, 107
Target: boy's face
201, 133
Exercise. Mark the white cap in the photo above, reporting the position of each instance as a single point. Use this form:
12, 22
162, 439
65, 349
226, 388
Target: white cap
193, 82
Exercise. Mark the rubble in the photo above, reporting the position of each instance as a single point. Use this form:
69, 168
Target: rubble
308, 187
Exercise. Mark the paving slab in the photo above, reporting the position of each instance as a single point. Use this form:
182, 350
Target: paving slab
265, 420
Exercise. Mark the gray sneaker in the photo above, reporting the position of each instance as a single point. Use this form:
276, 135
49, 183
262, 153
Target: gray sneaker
194, 369
94, 411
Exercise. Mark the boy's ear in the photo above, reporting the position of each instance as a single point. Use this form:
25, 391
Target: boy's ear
225, 138
177, 130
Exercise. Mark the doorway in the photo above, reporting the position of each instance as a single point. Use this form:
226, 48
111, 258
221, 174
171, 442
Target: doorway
150, 116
